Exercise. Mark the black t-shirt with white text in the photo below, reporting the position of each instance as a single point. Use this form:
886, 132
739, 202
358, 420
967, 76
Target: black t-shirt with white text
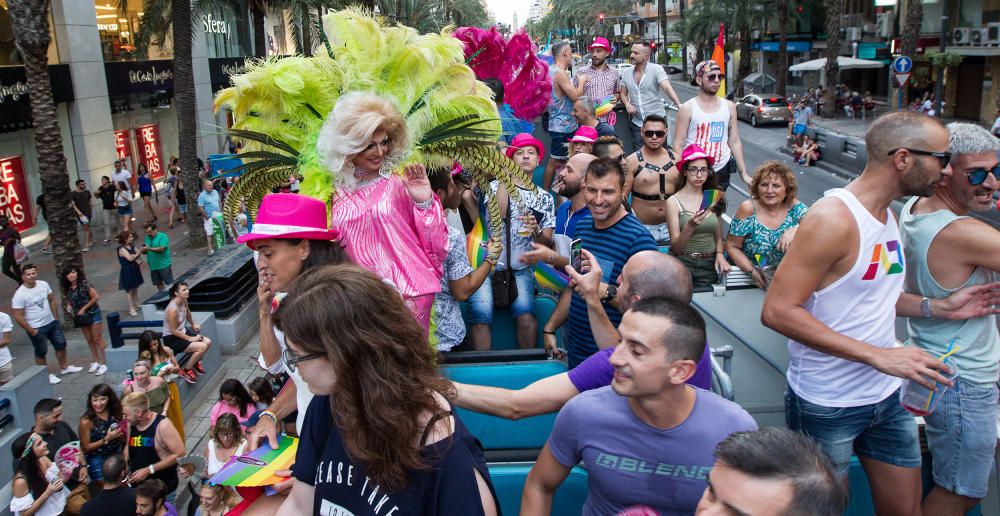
447, 487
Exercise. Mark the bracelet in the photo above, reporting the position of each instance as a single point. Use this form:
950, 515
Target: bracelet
152, 471
424, 205
269, 414
548, 332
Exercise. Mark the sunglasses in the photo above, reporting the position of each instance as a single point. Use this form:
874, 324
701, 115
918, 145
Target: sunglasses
977, 176
206, 482
654, 134
291, 360
714, 77
620, 157
943, 157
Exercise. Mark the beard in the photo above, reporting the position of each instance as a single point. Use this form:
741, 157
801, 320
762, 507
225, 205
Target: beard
597, 61
705, 87
916, 181
569, 190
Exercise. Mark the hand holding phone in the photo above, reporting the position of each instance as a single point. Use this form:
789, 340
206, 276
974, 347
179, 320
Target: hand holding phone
576, 255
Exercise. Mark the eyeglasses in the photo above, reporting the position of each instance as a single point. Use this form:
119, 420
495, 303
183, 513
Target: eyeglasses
291, 360
698, 171
714, 77
654, 134
943, 157
206, 482
977, 176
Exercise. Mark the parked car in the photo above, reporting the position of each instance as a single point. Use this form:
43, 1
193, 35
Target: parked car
762, 109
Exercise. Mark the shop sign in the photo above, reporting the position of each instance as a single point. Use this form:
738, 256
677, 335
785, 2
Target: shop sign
14, 84
123, 147
15, 200
147, 138
139, 76
215, 25
220, 69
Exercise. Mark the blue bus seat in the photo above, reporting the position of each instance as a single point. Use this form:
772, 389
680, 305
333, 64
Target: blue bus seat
861, 503
504, 329
503, 434
508, 480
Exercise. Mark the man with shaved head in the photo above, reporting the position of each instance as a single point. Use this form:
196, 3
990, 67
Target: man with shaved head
646, 274
568, 183
836, 296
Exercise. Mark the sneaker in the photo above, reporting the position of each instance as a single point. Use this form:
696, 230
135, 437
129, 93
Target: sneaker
101, 370
53, 379
46, 250
85, 249
93, 367
189, 376
70, 369
199, 368
105, 242
211, 252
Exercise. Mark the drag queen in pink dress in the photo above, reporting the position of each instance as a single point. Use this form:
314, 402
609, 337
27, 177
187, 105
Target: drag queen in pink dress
391, 225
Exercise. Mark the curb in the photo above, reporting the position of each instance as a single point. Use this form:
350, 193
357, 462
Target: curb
824, 166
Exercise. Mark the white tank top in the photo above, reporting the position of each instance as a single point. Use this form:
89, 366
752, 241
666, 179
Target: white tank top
860, 305
711, 132
214, 464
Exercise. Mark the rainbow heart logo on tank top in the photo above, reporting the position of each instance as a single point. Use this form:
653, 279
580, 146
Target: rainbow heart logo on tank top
887, 256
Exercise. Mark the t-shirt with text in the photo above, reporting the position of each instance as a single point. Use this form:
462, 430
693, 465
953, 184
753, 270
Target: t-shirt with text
35, 303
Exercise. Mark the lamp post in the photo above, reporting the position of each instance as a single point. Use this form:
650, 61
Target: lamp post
939, 84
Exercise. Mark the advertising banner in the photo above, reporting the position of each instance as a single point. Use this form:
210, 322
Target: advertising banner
147, 139
15, 199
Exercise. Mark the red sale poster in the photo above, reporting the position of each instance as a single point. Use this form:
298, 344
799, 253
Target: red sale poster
15, 199
147, 138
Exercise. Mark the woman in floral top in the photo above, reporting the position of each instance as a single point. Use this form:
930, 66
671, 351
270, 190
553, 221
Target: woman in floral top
765, 224
81, 305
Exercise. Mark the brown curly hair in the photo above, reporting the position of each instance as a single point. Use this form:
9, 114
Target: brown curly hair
384, 367
782, 172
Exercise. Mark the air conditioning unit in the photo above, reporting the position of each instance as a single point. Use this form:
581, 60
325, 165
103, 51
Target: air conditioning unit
977, 37
993, 34
852, 34
961, 36
885, 24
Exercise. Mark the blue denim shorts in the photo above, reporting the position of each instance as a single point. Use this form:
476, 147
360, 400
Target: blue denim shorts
95, 463
559, 148
962, 436
882, 431
481, 302
51, 332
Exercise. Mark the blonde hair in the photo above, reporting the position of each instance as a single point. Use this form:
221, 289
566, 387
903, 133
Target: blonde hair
349, 127
136, 400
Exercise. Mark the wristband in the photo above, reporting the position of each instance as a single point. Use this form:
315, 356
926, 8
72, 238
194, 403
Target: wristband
424, 205
269, 414
925, 308
151, 470
548, 332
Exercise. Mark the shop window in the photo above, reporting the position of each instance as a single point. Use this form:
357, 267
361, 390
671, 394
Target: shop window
8, 52
118, 23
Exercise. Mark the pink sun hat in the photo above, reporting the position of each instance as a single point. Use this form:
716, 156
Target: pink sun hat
600, 42
584, 134
525, 140
289, 215
691, 153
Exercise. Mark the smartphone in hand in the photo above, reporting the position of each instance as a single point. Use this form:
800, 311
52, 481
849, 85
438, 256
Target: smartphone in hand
576, 255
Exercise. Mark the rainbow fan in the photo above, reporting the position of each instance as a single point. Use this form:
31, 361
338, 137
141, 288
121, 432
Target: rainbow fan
474, 244
548, 277
709, 198
258, 467
604, 106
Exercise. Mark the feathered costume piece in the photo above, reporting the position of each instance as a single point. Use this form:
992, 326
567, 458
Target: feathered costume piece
525, 77
279, 106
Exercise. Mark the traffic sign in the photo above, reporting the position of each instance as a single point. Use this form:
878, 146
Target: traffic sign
902, 64
900, 79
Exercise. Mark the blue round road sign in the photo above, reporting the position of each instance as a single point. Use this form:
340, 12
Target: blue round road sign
902, 64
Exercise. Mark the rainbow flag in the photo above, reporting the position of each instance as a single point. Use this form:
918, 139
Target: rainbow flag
761, 260
719, 56
257, 467
548, 277
474, 243
604, 106
709, 198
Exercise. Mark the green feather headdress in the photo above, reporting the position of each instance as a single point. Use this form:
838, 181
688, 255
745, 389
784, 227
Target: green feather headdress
279, 106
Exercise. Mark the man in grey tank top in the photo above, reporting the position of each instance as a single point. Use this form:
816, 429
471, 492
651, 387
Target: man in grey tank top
945, 250
837, 304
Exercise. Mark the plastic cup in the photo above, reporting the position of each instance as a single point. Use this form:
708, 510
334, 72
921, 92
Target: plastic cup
921, 401
522, 229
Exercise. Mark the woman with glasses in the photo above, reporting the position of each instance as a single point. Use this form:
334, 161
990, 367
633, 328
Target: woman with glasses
764, 225
394, 427
225, 441
695, 229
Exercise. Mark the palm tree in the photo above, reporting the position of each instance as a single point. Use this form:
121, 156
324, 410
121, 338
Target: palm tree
30, 24
781, 81
911, 35
834, 9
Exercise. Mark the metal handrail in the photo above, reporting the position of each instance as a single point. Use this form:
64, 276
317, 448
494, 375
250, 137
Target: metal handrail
743, 341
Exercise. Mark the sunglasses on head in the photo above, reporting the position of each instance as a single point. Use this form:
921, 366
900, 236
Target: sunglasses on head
654, 134
977, 176
943, 157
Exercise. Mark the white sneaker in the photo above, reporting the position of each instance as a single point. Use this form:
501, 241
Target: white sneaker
53, 379
93, 367
101, 370
70, 369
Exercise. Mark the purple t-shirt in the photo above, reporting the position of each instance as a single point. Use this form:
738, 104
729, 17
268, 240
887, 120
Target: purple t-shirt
596, 372
630, 463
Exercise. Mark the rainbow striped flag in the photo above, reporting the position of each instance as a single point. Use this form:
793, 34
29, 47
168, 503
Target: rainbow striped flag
257, 467
719, 56
604, 106
548, 277
709, 198
474, 243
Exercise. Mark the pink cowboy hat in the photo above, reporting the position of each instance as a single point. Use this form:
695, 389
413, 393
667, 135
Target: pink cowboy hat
525, 140
584, 135
600, 42
691, 153
289, 215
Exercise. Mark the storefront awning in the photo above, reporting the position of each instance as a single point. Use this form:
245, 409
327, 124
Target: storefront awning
844, 63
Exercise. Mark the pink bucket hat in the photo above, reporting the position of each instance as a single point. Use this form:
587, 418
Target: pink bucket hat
691, 153
289, 215
584, 134
525, 140
600, 42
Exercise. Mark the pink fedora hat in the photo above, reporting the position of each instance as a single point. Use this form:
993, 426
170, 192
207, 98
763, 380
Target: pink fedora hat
289, 215
584, 134
525, 140
691, 153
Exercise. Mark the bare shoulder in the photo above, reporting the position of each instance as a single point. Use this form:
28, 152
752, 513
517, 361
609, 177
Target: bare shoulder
744, 210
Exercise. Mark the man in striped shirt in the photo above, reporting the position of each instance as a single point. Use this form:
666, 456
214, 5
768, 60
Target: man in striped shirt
602, 80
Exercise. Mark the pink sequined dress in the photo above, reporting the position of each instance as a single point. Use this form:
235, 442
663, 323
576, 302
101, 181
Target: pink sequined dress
384, 231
